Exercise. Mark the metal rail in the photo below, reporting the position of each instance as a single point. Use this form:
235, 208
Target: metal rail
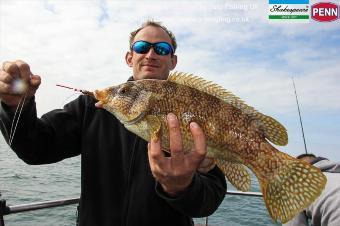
6, 210
255, 194
40, 205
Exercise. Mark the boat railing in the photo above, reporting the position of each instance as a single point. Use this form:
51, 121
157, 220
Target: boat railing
12, 209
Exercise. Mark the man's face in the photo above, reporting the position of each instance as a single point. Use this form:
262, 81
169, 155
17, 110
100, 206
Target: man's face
151, 65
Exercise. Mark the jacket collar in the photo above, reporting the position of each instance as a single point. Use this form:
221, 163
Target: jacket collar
317, 159
326, 166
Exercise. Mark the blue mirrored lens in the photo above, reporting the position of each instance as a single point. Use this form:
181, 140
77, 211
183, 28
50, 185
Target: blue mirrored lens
161, 48
141, 47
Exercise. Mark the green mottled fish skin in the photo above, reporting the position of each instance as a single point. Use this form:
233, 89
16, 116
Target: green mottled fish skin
234, 139
227, 129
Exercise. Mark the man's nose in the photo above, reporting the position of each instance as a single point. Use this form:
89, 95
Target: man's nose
151, 54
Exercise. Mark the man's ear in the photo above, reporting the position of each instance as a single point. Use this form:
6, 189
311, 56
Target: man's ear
173, 62
128, 58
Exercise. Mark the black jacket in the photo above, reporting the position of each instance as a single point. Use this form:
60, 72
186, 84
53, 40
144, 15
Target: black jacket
117, 187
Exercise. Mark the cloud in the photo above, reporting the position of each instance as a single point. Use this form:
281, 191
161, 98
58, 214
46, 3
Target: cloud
83, 44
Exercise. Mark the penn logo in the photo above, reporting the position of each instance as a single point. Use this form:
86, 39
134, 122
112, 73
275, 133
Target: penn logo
325, 12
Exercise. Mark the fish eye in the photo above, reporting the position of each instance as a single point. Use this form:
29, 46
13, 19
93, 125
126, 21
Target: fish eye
123, 90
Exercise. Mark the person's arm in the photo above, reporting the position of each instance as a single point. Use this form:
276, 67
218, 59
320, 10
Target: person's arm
53, 137
178, 180
50, 139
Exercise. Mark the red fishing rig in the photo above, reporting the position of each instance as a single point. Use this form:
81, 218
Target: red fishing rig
83, 91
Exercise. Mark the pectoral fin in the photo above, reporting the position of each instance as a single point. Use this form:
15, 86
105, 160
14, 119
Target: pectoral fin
154, 126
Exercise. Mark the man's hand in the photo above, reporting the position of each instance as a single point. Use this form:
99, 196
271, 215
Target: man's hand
16, 79
175, 173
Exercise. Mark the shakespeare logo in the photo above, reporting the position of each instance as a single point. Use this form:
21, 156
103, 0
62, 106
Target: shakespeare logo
289, 10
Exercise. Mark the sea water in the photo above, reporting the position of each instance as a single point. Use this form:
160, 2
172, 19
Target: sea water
21, 183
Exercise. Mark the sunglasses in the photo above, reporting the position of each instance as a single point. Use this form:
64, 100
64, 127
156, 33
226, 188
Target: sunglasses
161, 48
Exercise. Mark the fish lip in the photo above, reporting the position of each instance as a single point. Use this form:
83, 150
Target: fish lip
102, 96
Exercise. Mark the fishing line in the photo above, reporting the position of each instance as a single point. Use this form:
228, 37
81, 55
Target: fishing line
16, 118
82, 91
75, 89
20, 106
69, 97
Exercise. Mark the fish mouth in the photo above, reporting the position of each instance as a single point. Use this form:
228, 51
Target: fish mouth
102, 96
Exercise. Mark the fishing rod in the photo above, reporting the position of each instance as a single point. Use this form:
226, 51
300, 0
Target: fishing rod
297, 103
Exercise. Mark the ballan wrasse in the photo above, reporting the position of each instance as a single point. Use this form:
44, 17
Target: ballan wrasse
237, 136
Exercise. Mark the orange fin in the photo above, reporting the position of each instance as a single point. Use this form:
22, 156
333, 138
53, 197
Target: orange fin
292, 188
236, 174
154, 126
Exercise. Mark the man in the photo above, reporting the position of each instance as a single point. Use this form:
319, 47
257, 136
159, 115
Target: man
125, 180
325, 211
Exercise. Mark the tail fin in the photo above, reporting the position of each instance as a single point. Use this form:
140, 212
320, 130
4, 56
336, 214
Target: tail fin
291, 187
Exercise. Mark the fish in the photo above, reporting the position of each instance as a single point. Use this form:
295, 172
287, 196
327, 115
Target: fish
239, 138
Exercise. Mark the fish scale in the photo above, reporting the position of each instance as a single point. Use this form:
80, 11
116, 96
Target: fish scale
237, 136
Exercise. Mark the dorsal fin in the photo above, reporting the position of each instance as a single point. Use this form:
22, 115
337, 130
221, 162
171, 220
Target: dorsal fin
273, 130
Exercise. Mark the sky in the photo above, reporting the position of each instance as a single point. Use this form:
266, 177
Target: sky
82, 43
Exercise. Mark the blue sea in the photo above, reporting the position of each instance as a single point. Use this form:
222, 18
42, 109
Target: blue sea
21, 183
